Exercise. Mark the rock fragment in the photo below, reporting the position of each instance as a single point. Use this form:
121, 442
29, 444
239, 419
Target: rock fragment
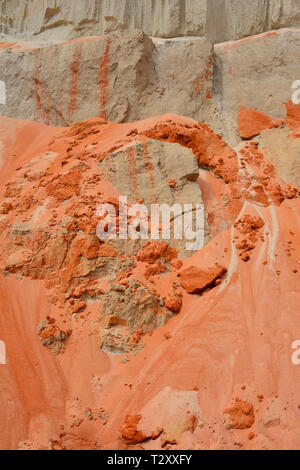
194, 280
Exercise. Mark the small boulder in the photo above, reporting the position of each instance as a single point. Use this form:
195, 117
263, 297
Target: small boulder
194, 280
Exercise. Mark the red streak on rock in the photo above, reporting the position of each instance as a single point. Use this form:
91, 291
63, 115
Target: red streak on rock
43, 97
39, 115
150, 170
103, 80
133, 172
6, 45
75, 65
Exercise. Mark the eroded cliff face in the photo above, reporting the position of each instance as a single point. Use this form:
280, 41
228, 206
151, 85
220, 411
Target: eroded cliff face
222, 20
66, 19
141, 344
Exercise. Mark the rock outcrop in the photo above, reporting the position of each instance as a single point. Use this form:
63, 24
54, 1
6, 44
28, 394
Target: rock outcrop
66, 19
122, 76
257, 73
229, 20
221, 20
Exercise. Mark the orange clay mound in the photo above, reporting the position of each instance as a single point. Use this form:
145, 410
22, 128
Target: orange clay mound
107, 347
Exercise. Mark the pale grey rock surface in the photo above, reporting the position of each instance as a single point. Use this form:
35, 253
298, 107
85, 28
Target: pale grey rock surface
255, 72
142, 171
123, 76
235, 19
222, 20
70, 19
283, 152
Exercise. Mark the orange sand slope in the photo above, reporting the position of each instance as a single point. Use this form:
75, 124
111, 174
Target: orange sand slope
209, 366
